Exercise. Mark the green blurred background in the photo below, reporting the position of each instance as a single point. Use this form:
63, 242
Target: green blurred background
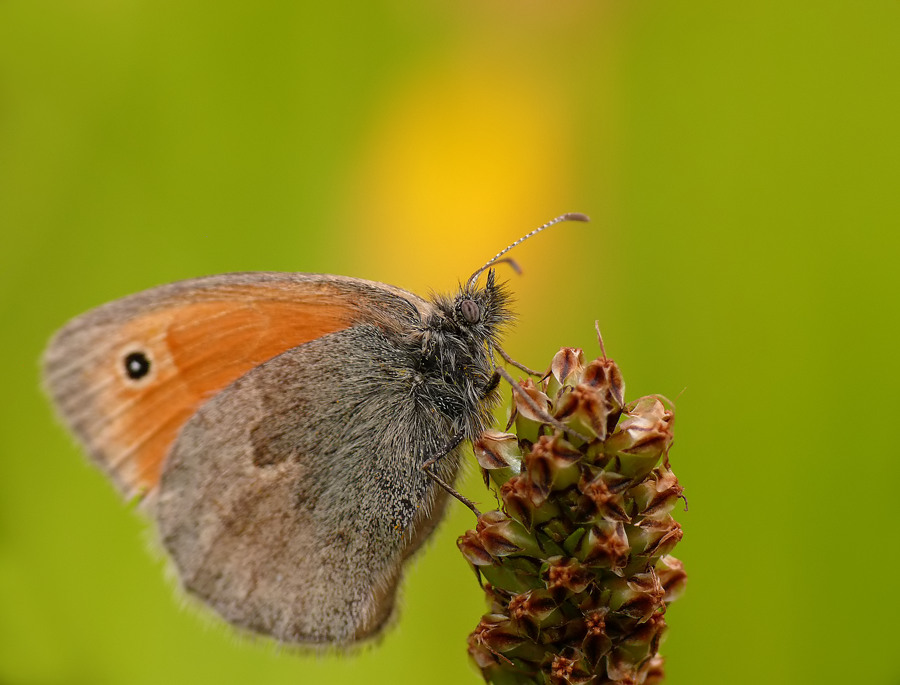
740, 162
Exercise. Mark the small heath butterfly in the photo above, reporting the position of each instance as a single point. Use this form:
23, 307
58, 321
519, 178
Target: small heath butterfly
289, 433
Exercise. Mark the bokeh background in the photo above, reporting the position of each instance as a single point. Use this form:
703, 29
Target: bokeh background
740, 162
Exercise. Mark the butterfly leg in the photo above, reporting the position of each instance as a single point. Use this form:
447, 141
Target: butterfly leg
519, 366
491, 384
429, 471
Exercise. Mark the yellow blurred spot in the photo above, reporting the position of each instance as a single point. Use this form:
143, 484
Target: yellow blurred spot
462, 162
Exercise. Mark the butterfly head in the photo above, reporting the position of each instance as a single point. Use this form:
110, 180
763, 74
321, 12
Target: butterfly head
483, 311
468, 326
461, 335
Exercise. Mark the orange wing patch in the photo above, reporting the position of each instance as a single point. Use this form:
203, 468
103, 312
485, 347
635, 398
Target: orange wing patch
196, 345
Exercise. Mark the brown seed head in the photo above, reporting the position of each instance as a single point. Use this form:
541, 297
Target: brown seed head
567, 669
671, 576
494, 634
600, 498
567, 366
605, 546
566, 574
497, 450
473, 550
657, 495
642, 438
523, 408
586, 409
552, 463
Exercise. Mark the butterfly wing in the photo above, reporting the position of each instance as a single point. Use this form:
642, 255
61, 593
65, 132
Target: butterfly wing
127, 376
291, 499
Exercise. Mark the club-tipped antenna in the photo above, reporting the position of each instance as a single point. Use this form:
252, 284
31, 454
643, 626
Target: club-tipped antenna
571, 216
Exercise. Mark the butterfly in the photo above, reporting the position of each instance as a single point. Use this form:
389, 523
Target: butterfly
294, 436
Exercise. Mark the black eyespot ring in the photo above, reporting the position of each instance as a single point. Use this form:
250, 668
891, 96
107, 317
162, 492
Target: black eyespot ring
137, 365
470, 310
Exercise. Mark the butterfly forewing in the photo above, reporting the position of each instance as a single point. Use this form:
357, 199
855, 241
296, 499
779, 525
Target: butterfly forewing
127, 376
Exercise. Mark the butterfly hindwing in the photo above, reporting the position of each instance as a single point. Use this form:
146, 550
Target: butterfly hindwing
290, 499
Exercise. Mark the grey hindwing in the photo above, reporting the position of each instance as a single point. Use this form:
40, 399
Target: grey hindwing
291, 498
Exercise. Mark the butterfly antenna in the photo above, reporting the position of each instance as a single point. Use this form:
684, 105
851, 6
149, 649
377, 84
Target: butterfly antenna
571, 216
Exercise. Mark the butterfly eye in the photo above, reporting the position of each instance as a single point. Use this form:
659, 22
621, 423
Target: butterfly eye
471, 312
137, 365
